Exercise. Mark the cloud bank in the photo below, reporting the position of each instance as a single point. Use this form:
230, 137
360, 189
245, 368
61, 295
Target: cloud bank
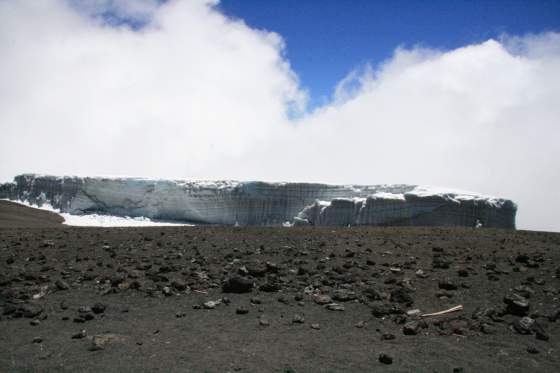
194, 94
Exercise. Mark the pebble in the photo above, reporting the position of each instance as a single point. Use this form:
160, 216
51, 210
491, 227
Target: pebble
298, 319
238, 285
524, 325
411, 328
242, 310
385, 359
62, 285
79, 335
532, 350
315, 326
335, 307
98, 308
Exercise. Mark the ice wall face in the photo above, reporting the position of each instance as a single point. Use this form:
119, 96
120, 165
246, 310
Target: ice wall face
261, 203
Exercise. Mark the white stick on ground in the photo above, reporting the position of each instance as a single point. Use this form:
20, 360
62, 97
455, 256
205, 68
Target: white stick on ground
452, 309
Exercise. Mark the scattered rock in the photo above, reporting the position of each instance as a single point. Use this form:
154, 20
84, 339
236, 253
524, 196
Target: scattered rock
298, 319
79, 335
98, 308
334, 307
516, 305
385, 359
323, 299
411, 328
238, 285
242, 310
62, 285
447, 284
401, 295
524, 325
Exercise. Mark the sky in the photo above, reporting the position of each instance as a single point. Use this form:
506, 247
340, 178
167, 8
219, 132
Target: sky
454, 94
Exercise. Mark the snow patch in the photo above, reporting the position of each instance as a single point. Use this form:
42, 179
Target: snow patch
98, 220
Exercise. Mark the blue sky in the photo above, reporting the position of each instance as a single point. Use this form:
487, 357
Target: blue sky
326, 39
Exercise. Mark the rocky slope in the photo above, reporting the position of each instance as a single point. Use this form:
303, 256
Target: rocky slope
262, 203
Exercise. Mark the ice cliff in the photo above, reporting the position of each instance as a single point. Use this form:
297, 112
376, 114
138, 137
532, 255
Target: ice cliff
263, 203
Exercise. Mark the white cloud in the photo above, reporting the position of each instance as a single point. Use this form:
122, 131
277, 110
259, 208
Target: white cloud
195, 94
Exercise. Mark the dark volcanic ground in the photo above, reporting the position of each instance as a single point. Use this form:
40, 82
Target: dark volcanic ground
196, 299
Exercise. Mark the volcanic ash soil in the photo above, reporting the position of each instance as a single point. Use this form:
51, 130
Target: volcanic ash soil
196, 299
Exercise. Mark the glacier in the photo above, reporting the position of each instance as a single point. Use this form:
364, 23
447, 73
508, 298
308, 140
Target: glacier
261, 203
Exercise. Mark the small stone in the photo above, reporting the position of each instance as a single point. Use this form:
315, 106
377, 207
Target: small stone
516, 305
98, 308
385, 359
62, 285
238, 285
458, 370
462, 273
34, 322
411, 328
166, 291
360, 324
210, 305
401, 295
315, 326
343, 295
263, 321
323, 299
79, 335
532, 350
412, 313
37, 340
421, 274
242, 310
255, 300
335, 307
298, 319
387, 337
179, 284
447, 284
524, 325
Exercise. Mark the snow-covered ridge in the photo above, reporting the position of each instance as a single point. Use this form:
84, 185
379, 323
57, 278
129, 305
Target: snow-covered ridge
262, 203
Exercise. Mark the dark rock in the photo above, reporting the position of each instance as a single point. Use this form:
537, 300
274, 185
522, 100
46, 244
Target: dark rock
385, 359
31, 310
463, 273
387, 336
516, 305
401, 295
524, 325
298, 319
270, 287
37, 340
179, 284
323, 299
343, 295
257, 269
238, 285
380, 310
62, 285
447, 284
411, 328
98, 308
242, 310
79, 335
532, 350
372, 294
